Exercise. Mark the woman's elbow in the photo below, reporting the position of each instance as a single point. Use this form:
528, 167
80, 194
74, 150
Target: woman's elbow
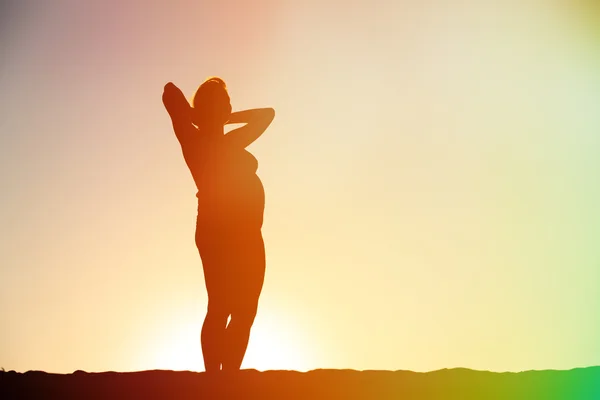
269, 114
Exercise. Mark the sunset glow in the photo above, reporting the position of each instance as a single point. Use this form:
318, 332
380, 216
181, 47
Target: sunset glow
432, 182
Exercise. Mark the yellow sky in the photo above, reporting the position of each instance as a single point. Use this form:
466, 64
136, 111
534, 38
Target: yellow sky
431, 182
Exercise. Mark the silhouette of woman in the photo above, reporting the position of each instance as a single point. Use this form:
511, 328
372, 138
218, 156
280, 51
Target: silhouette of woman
230, 213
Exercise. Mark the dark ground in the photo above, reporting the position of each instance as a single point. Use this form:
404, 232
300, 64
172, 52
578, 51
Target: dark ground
581, 383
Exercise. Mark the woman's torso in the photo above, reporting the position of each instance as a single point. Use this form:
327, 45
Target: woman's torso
228, 188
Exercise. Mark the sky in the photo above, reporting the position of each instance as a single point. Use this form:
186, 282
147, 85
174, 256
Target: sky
432, 182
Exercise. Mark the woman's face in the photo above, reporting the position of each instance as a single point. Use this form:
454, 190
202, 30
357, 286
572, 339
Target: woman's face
212, 105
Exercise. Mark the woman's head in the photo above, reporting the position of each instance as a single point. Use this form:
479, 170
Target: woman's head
211, 103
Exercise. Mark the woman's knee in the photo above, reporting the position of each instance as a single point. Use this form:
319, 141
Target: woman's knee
245, 314
217, 310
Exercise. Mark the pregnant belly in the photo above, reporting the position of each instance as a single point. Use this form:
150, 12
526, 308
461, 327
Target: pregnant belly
236, 198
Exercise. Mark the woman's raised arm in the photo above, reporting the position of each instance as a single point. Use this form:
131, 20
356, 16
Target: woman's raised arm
179, 110
257, 121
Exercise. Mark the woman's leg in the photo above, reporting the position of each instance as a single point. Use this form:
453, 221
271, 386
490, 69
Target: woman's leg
246, 287
212, 336
237, 336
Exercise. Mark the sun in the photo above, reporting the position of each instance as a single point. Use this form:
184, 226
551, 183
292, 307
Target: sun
275, 344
